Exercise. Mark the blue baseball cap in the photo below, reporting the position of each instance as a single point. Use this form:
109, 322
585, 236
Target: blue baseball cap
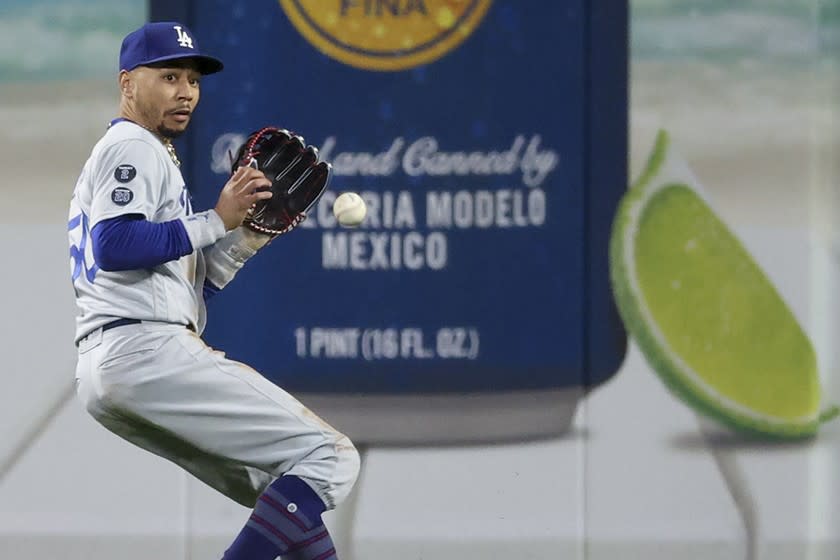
164, 40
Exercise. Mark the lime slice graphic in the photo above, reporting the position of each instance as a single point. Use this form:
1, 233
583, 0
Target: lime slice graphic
706, 317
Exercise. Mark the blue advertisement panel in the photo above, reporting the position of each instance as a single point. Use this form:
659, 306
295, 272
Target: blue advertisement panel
488, 140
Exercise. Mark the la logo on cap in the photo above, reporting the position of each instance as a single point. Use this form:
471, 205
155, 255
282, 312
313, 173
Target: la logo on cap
183, 39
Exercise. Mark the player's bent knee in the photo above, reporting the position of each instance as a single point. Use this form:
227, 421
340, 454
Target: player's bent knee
331, 468
347, 470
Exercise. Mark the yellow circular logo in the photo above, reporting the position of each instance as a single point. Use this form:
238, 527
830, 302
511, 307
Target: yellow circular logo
385, 34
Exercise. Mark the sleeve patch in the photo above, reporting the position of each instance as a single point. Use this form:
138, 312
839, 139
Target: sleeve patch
125, 173
122, 196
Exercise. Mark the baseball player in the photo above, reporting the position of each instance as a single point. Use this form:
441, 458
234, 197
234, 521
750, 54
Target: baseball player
142, 264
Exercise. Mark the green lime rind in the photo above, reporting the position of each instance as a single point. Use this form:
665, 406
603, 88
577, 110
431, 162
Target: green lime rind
829, 414
669, 366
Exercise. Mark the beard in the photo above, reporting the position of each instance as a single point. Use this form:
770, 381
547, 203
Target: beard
170, 133
151, 114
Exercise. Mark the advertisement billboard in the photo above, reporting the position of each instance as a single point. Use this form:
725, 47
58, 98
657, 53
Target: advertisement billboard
488, 140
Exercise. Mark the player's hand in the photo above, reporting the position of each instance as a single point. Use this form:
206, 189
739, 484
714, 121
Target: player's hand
239, 194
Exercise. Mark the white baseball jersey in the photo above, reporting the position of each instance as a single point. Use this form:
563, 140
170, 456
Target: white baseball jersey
131, 172
159, 385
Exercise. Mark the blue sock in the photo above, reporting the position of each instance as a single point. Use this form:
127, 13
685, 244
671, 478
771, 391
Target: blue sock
286, 522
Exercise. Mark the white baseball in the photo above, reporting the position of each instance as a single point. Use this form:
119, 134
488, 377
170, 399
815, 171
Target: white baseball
349, 209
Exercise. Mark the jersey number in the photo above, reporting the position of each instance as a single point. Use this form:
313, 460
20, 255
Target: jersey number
79, 233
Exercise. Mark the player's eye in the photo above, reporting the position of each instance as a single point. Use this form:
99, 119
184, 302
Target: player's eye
169, 77
195, 82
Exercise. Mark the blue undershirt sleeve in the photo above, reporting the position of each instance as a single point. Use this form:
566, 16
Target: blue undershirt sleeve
131, 242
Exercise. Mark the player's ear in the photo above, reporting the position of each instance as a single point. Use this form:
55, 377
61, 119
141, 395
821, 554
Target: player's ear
126, 84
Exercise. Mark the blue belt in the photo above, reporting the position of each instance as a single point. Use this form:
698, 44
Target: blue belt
120, 323
123, 322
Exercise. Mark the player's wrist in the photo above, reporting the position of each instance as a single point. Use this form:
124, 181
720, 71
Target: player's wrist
241, 244
229, 221
246, 237
227, 256
216, 221
204, 228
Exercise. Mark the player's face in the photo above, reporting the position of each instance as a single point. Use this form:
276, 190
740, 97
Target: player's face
166, 96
